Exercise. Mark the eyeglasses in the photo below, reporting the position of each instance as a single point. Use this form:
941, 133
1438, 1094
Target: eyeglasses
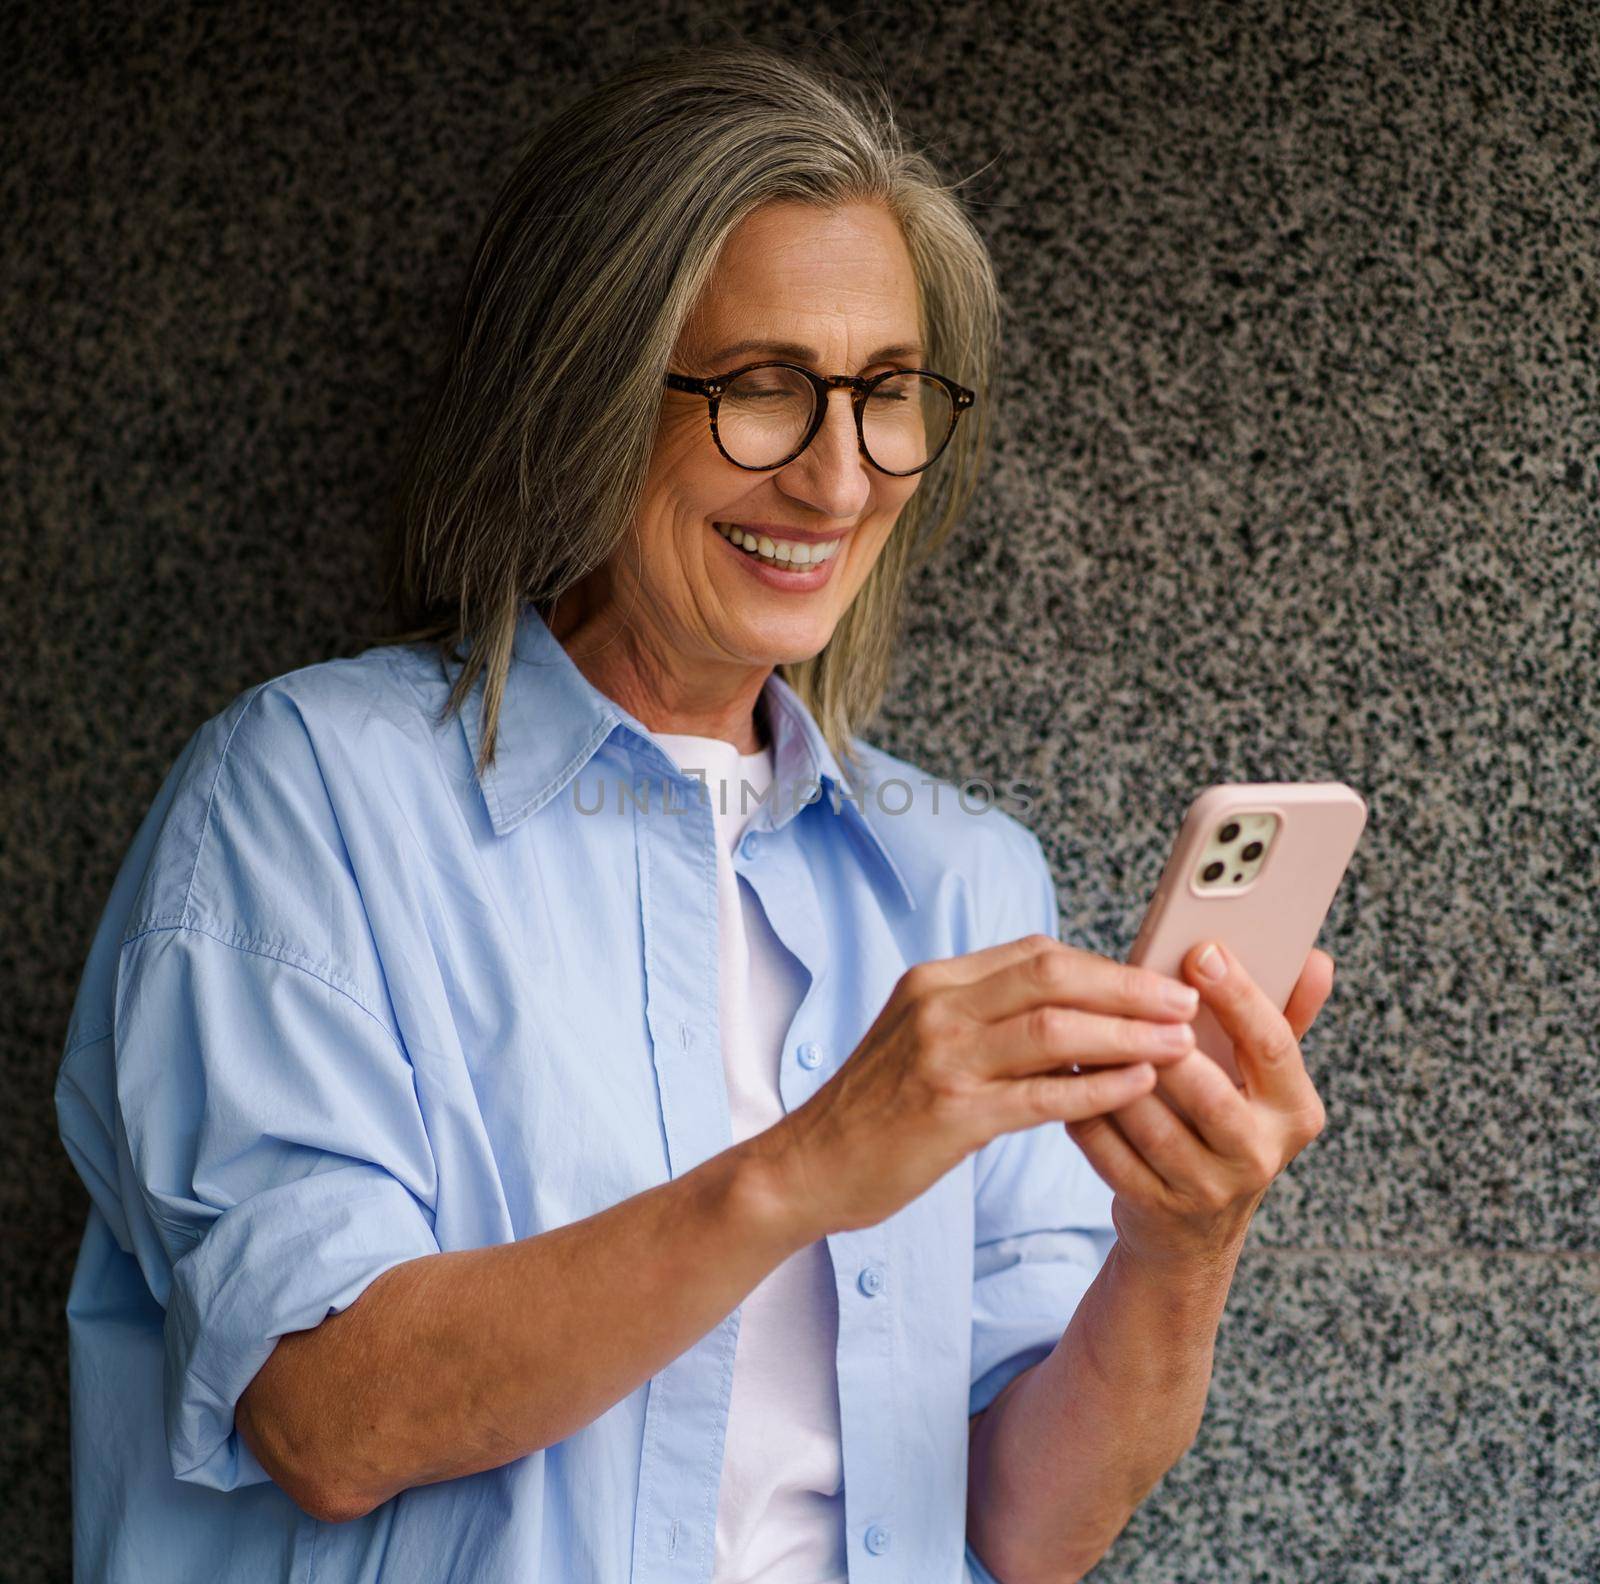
765, 414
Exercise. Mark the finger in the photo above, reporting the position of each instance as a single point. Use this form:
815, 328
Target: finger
1217, 1112
1058, 1097
1050, 1036
1118, 1164
1056, 974
1311, 991
969, 967
1264, 1046
1166, 1143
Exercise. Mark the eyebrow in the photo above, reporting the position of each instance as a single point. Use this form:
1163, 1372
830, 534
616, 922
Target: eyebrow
805, 354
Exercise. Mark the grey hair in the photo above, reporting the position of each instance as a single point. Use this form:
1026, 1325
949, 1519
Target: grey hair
526, 469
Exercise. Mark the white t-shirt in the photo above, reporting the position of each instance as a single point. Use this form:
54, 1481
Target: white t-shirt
780, 1512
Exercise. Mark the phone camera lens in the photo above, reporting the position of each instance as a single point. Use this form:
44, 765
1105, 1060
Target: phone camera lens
1212, 870
1251, 853
1228, 832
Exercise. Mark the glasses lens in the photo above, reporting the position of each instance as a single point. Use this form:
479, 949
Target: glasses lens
906, 421
764, 415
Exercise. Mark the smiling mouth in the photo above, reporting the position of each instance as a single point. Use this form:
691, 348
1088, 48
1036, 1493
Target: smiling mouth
790, 555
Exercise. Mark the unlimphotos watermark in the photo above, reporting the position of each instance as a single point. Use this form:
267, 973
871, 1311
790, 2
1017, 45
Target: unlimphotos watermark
892, 795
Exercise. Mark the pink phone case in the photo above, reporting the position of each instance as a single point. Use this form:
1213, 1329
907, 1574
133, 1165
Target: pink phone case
1266, 907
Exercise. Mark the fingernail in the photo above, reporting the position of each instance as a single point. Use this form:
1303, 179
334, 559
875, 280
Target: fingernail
1180, 997
1209, 964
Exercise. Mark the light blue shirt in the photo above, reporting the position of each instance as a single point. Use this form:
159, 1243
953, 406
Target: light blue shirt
349, 1005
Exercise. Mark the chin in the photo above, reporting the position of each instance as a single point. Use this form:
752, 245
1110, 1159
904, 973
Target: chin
787, 640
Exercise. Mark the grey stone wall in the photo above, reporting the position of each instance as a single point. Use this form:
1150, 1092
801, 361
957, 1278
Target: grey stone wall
1299, 477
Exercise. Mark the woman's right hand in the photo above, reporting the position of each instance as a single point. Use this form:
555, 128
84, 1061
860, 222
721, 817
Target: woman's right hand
967, 1048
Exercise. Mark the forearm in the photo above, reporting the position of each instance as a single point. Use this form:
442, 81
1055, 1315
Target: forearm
462, 1361
1064, 1455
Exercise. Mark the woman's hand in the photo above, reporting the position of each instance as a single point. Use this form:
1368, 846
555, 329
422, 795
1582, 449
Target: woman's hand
966, 1048
1186, 1193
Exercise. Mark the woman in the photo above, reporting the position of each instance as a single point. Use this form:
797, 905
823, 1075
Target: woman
510, 1161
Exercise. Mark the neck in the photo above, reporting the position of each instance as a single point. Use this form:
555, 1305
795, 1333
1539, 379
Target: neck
656, 682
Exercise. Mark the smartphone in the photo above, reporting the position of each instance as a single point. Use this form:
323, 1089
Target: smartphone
1255, 866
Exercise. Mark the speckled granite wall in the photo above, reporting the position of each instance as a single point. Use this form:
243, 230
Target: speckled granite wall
1300, 478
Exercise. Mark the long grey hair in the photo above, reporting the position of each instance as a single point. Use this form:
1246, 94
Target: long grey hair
525, 470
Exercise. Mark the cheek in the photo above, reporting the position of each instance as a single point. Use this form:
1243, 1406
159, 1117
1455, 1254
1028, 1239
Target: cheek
691, 484
683, 458
683, 492
869, 548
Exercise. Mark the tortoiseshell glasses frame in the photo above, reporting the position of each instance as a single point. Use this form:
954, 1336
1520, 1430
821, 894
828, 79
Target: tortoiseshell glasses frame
860, 388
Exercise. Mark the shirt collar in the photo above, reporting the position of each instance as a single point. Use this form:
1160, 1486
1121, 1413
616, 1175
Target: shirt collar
553, 720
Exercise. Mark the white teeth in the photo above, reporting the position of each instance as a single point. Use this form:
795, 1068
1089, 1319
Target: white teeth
778, 552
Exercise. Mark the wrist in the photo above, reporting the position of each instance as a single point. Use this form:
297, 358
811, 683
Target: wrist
1145, 1326
1190, 1279
767, 1186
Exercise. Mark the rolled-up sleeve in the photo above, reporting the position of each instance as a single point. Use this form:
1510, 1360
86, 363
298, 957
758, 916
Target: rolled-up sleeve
1042, 1214
275, 1161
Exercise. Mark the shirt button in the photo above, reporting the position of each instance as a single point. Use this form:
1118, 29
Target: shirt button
870, 1281
750, 845
810, 1054
877, 1539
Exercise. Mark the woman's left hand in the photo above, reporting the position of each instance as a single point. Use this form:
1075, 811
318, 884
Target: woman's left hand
1186, 1193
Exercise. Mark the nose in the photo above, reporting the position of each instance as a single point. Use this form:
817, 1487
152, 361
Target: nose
831, 474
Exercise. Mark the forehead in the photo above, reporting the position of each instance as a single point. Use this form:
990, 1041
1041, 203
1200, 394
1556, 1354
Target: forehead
836, 277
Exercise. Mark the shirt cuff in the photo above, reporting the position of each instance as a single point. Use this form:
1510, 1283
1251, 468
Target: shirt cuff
1026, 1290
282, 1260
977, 1573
